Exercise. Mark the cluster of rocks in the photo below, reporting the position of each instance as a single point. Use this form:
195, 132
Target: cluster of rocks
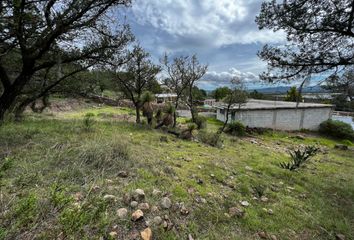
136, 200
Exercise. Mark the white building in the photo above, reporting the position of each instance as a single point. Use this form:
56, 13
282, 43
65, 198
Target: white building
278, 114
165, 97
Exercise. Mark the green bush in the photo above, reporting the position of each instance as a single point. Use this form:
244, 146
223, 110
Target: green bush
201, 122
299, 157
236, 129
88, 121
337, 129
212, 139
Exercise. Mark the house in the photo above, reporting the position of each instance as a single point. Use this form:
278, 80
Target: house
277, 114
209, 102
165, 97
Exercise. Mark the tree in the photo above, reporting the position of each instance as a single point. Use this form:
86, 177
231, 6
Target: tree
176, 81
256, 95
237, 96
46, 33
220, 93
136, 75
320, 37
343, 86
199, 94
195, 71
293, 95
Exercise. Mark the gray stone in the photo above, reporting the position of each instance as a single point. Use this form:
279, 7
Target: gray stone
165, 203
138, 195
137, 215
122, 212
144, 206
157, 220
134, 204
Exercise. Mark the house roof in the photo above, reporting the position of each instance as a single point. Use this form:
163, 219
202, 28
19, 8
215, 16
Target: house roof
165, 95
255, 104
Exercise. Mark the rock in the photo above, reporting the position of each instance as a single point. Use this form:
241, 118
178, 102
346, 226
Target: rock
134, 204
263, 235
137, 215
122, 212
109, 181
200, 181
340, 236
200, 167
126, 199
78, 196
190, 237
190, 190
273, 237
301, 137
341, 147
212, 175
245, 203
109, 198
144, 206
184, 211
165, 203
235, 211
154, 209
248, 168
138, 195
123, 174
200, 200
156, 192
95, 188
270, 211
254, 141
146, 234
157, 220
264, 199
113, 234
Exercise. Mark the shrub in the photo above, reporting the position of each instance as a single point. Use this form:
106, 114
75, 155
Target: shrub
201, 122
187, 134
337, 129
299, 157
236, 129
88, 121
212, 139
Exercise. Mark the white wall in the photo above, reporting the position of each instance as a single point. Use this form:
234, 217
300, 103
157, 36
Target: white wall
282, 119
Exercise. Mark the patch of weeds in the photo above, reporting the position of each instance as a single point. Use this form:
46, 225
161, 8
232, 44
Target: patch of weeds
299, 157
3, 233
26, 210
89, 122
5, 165
58, 196
259, 190
236, 129
209, 138
75, 220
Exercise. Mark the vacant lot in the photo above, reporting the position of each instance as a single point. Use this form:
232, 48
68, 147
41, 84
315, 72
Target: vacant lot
62, 180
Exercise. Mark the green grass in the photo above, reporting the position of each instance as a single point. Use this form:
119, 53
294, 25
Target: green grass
45, 161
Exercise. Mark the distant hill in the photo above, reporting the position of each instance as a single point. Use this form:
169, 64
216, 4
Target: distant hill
284, 89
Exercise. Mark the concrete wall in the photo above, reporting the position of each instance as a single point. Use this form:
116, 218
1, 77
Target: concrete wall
282, 119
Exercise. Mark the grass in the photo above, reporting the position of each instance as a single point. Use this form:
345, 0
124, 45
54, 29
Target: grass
54, 175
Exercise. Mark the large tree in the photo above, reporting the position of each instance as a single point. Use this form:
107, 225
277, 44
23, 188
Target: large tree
136, 75
320, 37
46, 33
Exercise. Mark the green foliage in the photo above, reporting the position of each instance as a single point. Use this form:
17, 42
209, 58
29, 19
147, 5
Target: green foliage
221, 93
293, 95
299, 157
5, 164
26, 210
73, 219
58, 196
210, 138
259, 190
236, 128
88, 122
170, 109
147, 97
256, 95
200, 121
337, 129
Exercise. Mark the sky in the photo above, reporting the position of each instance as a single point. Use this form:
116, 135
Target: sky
222, 33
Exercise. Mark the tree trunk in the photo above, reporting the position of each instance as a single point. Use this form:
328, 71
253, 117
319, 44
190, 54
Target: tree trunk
175, 113
137, 110
227, 119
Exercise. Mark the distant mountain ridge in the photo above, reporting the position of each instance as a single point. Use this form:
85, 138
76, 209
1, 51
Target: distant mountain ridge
284, 89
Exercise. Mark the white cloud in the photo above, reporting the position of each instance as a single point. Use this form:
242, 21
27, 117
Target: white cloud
217, 79
207, 22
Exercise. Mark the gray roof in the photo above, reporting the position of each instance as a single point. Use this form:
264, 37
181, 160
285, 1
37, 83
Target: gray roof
255, 104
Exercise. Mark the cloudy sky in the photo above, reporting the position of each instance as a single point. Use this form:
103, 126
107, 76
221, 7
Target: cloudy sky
223, 34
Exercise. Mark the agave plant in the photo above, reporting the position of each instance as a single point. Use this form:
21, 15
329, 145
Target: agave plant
299, 157
167, 119
148, 111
